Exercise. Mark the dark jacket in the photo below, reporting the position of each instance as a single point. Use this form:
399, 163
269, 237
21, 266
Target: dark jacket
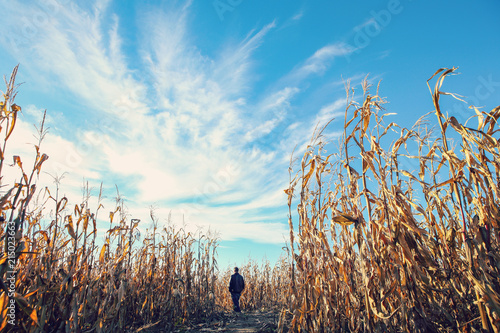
237, 284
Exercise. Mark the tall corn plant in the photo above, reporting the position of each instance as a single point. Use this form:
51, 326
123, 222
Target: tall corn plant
383, 247
15, 219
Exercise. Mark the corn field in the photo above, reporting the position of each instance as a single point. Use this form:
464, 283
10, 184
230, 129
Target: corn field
398, 230
56, 277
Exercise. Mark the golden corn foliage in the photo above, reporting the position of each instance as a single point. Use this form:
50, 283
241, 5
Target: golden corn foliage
68, 282
398, 235
398, 239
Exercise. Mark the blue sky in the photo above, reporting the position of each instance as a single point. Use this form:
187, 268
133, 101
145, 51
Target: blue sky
194, 107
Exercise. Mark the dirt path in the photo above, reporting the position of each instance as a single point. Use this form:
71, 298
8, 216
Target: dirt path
244, 322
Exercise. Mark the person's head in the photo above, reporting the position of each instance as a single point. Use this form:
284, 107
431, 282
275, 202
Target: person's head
236, 269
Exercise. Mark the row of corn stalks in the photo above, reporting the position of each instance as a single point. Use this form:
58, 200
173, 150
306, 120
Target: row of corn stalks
56, 275
398, 230
266, 285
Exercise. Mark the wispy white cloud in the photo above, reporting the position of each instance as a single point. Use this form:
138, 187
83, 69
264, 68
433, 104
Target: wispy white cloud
331, 111
319, 62
273, 108
316, 65
293, 20
298, 16
367, 22
232, 70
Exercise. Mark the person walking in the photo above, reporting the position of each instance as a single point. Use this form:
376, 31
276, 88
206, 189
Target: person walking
236, 286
